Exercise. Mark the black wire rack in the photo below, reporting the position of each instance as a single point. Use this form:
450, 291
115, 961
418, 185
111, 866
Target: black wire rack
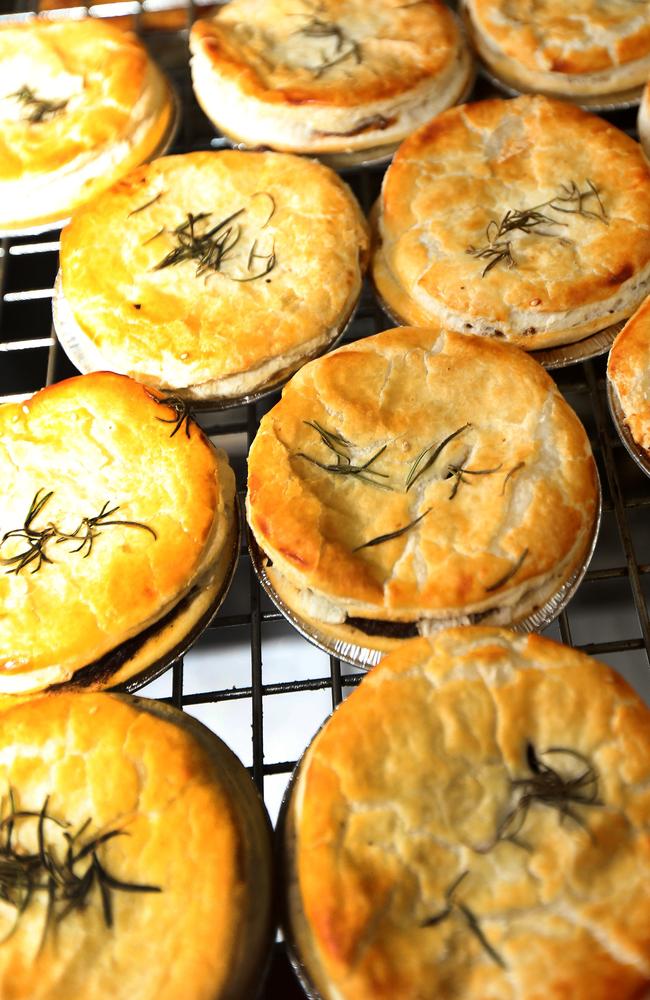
251, 678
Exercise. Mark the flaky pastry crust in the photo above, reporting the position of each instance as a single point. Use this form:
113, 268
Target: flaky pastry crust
506, 506
188, 829
400, 884
108, 108
584, 48
92, 441
447, 252
285, 288
337, 76
628, 369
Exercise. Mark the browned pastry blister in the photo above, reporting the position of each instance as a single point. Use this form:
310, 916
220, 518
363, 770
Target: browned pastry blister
473, 822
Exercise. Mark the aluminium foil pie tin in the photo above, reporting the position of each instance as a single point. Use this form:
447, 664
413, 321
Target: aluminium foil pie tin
162, 147
87, 358
638, 454
366, 657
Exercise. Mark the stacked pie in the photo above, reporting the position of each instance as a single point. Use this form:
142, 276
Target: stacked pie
81, 104
229, 271
417, 478
473, 822
337, 76
136, 855
525, 219
584, 49
117, 533
628, 371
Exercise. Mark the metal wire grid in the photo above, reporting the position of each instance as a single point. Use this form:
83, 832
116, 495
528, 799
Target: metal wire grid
608, 617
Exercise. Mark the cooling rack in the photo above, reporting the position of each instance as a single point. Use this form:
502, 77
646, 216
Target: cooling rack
252, 679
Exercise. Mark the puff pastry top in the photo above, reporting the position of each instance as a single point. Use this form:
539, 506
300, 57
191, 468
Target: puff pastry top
104, 758
481, 542
375, 62
108, 109
628, 369
93, 440
448, 192
559, 44
217, 331
404, 790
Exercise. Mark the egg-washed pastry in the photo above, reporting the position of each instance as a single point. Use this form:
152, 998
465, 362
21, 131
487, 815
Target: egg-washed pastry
643, 121
117, 532
628, 369
417, 477
473, 822
81, 104
213, 273
585, 48
327, 77
527, 219
136, 855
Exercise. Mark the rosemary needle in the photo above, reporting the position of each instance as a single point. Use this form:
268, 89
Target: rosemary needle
392, 534
509, 575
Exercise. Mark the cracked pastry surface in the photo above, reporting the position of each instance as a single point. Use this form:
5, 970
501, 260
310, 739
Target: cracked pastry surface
461, 448
581, 49
99, 443
277, 289
335, 76
402, 879
503, 218
124, 765
81, 104
628, 369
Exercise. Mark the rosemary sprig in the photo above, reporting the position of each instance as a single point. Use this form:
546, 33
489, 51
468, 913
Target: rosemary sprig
37, 539
344, 46
141, 208
343, 466
547, 787
23, 874
509, 574
392, 534
211, 247
471, 919
427, 457
39, 109
182, 411
459, 471
570, 201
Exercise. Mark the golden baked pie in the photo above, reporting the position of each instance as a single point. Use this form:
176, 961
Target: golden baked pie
135, 855
213, 273
628, 369
81, 104
419, 476
527, 219
117, 527
327, 76
473, 822
580, 49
